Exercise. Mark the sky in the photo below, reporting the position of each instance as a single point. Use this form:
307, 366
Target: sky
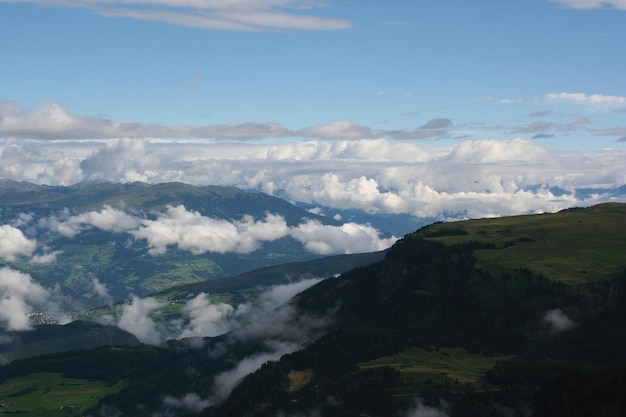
441, 109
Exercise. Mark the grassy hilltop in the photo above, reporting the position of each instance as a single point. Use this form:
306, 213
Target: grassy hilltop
572, 246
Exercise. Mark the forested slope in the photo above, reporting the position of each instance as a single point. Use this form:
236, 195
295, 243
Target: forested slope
562, 343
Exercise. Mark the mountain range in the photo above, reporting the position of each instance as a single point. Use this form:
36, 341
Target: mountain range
517, 316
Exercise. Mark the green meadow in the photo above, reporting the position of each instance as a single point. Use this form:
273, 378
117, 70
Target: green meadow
51, 395
420, 368
572, 246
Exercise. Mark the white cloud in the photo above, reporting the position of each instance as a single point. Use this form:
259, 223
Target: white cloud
593, 99
107, 219
280, 331
472, 177
188, 402
279, 295
342, 129
52, 121
190, 231
13, 243
239, 15
558, 321
19, 294
207, 318
101, 291
136, 318
46, 258
193, 232
592, 4
347, 238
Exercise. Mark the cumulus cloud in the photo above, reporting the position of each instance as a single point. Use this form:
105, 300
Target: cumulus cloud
107, 219
347, 238
180, 228
254, 15
46, 258
198, 234
19, 295
581, 98
13, 243
558, 321
467, 178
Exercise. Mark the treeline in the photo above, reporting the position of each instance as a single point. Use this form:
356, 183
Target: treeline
426, 294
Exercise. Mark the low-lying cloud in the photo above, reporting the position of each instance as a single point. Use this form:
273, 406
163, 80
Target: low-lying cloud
19, 296
268, 316
558, 321
13, 243
180, 228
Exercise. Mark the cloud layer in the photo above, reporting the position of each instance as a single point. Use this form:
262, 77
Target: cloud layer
339, 165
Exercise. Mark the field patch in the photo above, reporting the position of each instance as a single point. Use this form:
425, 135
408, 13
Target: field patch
51, 394
298, 379
420, 368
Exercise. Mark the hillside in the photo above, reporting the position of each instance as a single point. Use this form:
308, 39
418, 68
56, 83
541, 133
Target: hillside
573, 246
434, 328
238, 290
138, 238
466, 290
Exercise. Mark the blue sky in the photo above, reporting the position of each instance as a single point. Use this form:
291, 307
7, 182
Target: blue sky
387, 65
432, 79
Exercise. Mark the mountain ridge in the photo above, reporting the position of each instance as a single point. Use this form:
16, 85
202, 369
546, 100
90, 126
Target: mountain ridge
431, 297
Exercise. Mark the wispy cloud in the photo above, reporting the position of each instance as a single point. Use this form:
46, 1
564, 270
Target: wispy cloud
230, 15
592, 4
581, 98
543, 127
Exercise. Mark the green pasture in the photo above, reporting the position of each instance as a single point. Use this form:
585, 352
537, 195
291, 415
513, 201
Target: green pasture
46, 394
420, 368
572, 246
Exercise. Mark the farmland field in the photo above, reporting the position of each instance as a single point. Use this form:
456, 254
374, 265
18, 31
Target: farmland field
51, 394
